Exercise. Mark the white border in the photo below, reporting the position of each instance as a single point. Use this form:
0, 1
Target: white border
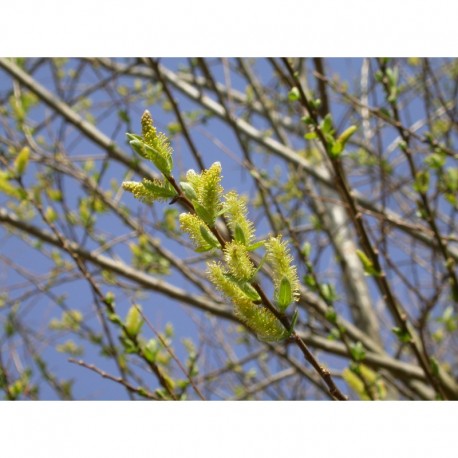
176, 28
228, 429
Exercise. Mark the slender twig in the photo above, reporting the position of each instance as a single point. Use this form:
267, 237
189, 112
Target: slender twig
172, 354
133, 389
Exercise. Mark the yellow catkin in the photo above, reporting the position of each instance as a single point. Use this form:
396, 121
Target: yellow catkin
281, 261
238, 261
259, 319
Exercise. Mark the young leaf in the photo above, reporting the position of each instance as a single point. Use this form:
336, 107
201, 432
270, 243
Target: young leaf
310, 135
150, 350
209, 237
355, 376
331, 315
134, 320
22, 160
345, 135
188, 190
191, 224
249, 291
336, 148
294, 320
256, 245
284, 294
358, 352
239, 235
403, 336
148, 152
204, 214
368, 266
294, 94
421, 183
326, 125
149, 191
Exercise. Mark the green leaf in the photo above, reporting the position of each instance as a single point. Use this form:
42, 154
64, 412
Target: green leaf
326, 125
435, 160
328, 292
203, 249
150, 350
354, 376
134, 320
22, 160
368, 266
255, 246
150, 191
244, 286
309, 281
403, 335
249, 291
358, 352
284, 295
131, 137
331, 315
50, 214
346, 134
310, 135
209, 237
449, 320
294, 321
334, 334
393, 76
294, 94
188, 190
315, 103
110, 298
336, 148
161, 189
146, 151
421, 183
114, 318
204, 214
451, 179
239, 234
7, 188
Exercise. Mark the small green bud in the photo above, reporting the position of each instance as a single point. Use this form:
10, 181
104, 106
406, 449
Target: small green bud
22, 160
368, 266
346, 134
188, 190
294, 94
134, 320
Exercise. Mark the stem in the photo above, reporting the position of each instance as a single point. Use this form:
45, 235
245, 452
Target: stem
321, 370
